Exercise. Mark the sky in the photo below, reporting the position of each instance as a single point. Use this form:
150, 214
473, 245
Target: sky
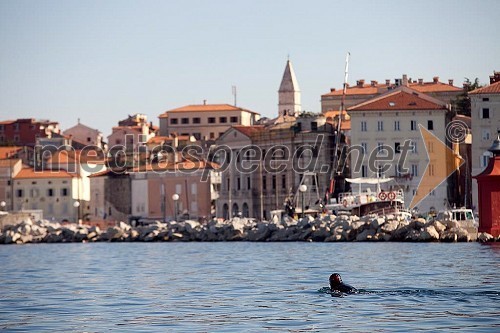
100, 61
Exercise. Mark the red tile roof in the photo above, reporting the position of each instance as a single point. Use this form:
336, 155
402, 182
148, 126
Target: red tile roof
6, 152
430, 87
205, 108
491, 89
401, 99
369, 89
249, 130
30, 173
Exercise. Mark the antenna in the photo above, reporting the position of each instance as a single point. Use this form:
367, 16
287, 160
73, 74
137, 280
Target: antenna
234, 94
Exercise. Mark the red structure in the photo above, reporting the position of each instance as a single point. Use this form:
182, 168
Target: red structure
24, 132
488, 183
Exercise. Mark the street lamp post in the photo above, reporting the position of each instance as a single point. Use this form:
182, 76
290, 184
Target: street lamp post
175, 197
302, 189
76, 204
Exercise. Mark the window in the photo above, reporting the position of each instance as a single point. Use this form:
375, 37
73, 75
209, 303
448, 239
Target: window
118, 141
64, 192
314, 126
486, 135
50, 192
396, 125
380, 147
364, 173
397, 147
485, 113
283, 181
364, 146
274, 182
1, 128
413, 125
211, 120
430, 125
486, 99
16, 138
34, 192
196, 120
174, 121
363, 126
184, 120
238, 183
263, 182
413, 145
248, 183
414, 170
431, 169
380, 126
222, 120
485, 158
16, 127
19, 193
143, 138
234, 119
399, 170
212, 135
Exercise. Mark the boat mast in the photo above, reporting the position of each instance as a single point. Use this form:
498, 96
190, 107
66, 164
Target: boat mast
336, 159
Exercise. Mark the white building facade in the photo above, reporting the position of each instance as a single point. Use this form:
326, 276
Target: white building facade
391, 122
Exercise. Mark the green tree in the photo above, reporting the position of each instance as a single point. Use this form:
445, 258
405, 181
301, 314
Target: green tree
462, 103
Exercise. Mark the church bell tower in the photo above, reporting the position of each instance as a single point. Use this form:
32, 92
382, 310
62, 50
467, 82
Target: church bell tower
289, 93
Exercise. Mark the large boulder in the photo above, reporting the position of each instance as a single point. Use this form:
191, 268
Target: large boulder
365, 235
429, 234
485, 237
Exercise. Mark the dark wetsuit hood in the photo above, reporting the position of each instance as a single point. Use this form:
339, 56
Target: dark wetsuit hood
336, 284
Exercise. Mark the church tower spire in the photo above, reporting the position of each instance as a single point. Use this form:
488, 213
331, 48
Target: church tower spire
289, 93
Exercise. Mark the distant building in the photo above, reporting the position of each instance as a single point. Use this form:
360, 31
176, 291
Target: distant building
205, 121
85, 135
392, 119
110, 195
131, 133
57, 193
361, 92
24, 132
195, 182
485, 114
8, 169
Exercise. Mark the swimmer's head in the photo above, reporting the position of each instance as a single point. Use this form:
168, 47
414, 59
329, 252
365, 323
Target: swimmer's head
335, 279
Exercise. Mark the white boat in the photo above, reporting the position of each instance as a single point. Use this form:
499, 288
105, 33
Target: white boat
365, 202
464, 216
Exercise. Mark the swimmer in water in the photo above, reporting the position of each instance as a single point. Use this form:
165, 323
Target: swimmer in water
337, 285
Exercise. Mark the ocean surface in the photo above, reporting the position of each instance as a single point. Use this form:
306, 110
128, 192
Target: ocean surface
249, 287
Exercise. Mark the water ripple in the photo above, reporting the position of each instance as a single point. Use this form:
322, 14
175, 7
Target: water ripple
248, 287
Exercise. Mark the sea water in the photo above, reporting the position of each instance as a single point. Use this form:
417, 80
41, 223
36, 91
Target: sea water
248, 287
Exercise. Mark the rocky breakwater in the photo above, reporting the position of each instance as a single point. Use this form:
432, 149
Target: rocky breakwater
326, 229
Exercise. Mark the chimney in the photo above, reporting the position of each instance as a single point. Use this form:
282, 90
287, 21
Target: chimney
204, 102
387, 82
435, 79
397, 82
450, 82
332, 89
421, 82
373, 83
360, 83
405, 80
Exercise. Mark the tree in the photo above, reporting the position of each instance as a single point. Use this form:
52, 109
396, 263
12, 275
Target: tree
462, 104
